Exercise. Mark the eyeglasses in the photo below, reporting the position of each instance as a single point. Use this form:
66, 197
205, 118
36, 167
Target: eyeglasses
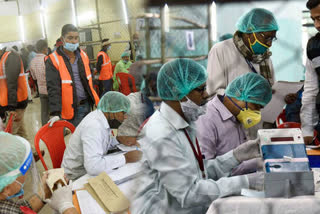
201, 89
269, 38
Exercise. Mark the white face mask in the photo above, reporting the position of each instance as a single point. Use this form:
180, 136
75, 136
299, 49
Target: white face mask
191, 110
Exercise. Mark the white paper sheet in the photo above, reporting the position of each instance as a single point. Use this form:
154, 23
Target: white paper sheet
275, 106
87, 203
127, 148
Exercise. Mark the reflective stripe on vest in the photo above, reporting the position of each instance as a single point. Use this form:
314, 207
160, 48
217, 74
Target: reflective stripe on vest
22, 91
106, 67
67, 111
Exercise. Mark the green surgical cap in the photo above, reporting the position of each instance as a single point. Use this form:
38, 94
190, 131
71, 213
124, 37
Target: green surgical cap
257, 20
225, 37
125, 54
251, 88
179, 77
12, 154
114, 102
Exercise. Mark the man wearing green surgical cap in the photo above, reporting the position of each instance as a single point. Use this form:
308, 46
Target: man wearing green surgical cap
247, 51
87, 150
177, 179
122, 66
223, 126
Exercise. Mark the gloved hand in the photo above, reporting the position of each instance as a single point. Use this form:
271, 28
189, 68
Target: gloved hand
53, 120
256, 181
247, 150
61, 199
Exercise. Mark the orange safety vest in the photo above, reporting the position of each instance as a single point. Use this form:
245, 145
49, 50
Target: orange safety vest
106, 67
67, 111
22, 91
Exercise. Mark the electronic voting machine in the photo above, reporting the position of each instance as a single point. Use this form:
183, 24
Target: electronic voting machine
286, 164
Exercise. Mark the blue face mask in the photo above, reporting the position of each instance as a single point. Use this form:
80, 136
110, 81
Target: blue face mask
21, 192
125, 61
109, 47
258, 47
70, 46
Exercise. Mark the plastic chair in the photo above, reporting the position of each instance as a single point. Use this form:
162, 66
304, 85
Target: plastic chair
282, 117
53, 137
123, 81
9, 124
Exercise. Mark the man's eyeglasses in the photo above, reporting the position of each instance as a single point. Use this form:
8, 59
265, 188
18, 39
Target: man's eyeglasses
201, 89
269, 38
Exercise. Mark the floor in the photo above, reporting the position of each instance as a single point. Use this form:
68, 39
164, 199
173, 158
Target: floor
33, 124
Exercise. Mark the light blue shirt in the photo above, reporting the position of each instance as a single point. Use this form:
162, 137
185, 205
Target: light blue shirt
173, 181
87, 150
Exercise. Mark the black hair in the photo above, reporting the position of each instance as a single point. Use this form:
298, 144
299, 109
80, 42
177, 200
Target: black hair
312, 4
105, 40
68, 28
15, 47
41, 44
30, 48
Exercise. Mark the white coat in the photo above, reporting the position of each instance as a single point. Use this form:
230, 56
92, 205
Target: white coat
87, 150
173, 181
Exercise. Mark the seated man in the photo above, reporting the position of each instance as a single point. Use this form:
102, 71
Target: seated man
87, 150
141, 108
221, 129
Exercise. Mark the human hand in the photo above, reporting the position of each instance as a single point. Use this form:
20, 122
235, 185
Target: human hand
127, 141
308, 140
256, 181
133, 156
247, 150
53, 120
290, 98
61, 199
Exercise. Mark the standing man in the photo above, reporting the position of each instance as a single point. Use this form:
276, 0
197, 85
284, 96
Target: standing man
247, 51
38, 73
311, 97
14, 91
69, 80
104, 67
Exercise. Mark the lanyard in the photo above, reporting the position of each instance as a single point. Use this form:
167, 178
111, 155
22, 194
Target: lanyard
197, 154
251, 66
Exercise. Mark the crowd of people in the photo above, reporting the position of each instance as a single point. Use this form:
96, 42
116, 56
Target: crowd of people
199, 145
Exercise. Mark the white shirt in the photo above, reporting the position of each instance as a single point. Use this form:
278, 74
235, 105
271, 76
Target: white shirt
225, 63
309, 115
173, 181
87, 150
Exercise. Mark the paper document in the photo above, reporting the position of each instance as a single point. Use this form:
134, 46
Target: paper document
127, 148
126, 172
107, 193
275, 106
87, 203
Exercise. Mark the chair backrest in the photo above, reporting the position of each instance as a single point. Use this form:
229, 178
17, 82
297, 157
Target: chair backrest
123, 81
287, 125
9, 124
53, 137
282, 117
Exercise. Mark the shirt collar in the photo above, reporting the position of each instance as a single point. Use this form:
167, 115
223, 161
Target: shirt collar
172, 116
77, 53
103, 119
221, 108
